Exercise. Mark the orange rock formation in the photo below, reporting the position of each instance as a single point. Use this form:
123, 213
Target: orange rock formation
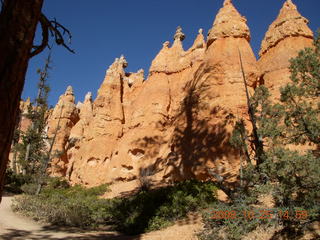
175, 124
286, 36
60, 123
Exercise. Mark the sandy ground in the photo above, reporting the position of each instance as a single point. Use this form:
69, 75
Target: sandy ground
16, 227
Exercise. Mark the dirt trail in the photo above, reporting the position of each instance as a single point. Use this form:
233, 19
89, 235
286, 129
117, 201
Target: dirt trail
16, 227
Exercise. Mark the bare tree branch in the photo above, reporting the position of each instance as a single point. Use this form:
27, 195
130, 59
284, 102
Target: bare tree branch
258, 143
49, 154
45, 36
56, 30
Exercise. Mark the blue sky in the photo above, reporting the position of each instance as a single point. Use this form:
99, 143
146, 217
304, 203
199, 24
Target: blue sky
104, 29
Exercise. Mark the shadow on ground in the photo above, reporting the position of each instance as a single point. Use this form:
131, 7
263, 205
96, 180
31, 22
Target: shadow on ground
50, 234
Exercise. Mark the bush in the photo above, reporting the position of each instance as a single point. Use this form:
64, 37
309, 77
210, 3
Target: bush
14, 182
285, 144
148, 210
74, 206
29, 188
19, 183
232, 229
154, 209
57, 182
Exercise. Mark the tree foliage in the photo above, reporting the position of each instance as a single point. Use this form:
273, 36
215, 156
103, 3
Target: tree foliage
32, 149
301, 97
290, 132
20, 18
288, 168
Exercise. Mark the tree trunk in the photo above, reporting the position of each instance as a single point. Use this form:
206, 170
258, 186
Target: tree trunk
14, 144
48, 157
26, 159
258, 143
18, 22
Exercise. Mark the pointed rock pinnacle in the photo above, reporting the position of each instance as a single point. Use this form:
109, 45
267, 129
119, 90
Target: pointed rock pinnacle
123, 61
69, 91
227, 2
288, 23
228, 23
179, 34
166, 44
88, 97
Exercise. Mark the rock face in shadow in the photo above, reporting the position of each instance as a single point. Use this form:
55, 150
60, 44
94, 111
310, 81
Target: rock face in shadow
215, 98
286, 36
175, 124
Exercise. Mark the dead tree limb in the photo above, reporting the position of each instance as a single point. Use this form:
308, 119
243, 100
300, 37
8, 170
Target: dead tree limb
258, 143
48, 156
56, 30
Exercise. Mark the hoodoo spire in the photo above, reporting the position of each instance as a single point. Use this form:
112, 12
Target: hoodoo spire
286, 36
227, 2
228, 23
69, 91
179, 35
288, 23
199, 42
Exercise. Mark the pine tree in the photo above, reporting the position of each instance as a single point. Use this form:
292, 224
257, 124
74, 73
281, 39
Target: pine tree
301, 98
32, 150
20, 18
286, 165
293, 124
298, 172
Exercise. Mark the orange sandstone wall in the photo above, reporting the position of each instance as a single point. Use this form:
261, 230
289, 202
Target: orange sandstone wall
175, 124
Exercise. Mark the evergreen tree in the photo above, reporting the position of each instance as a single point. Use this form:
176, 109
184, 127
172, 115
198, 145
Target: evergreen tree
17, 18
32, 150
293, 124
301, 98
282, 153
20, 18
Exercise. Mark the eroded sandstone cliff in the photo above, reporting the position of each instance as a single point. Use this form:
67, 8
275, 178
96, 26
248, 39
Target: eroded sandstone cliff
286, 36
60, 123
175, 124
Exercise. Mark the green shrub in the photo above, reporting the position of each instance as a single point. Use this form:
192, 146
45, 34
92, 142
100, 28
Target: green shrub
148, 210
74, 206
155, 209
57, 182
29, 188
232, 229
14, 182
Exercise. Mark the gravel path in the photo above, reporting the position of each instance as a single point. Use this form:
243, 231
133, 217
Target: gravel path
16, 227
